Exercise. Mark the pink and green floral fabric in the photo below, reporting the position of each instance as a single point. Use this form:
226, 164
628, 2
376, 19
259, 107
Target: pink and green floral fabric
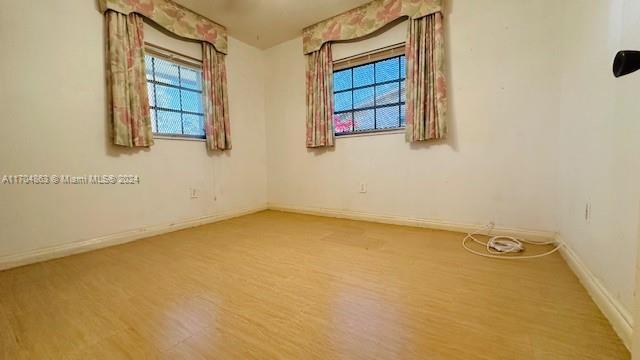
320, 98
365, 20
426, 85
174, 18
127, 84
216, 103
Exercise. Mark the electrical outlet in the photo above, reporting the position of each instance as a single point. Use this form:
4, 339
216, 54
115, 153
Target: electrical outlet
587, 212
194, 193
363, 188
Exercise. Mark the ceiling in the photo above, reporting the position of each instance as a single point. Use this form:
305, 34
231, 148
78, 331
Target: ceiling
265, 23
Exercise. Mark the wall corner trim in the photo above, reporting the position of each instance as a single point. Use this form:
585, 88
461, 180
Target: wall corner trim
77, 247
618, 316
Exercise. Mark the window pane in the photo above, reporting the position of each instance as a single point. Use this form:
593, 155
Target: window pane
152, 97
363, 98
403, 92
387, 94
148, 65
169, 122
167, 97
166, 72
191, 101
364, 120
363, 75
387, 70
403, 67
342, 122
387, 117
403, 110
342, 101
190, 79
193, 124
342, 80
153, 121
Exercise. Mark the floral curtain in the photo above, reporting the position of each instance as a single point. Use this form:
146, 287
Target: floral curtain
320, 98
127, 84
174, 18
426, 85
216, 103
365, 20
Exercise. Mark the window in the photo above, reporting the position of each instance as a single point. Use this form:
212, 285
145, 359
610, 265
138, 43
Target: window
175, 96
370, 97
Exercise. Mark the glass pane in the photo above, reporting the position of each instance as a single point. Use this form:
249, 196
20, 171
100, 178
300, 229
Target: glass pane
169, 122
167, 97
342, 101
403, 67
363, 98
342, 80
363, 75
190, 79
148, 65
403, 110
364, 120
387, 94
193, 124
387, 70
342, 123
191, 101
152, 97
403, 92
166, 72
154, 127
387, 117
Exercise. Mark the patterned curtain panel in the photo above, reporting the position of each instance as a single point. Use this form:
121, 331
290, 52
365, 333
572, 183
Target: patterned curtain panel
174, 18
127, 83
426, 85
320, 98
216, 103
365, 20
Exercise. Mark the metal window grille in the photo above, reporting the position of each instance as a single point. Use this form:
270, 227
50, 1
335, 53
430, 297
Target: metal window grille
175, 97
370, 97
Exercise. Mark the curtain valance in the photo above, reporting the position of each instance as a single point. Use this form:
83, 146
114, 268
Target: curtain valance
174, 18
365, 20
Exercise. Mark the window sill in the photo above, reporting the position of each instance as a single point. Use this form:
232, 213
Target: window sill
371, 133
184, 138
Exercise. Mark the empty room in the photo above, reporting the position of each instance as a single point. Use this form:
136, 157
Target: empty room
339, 179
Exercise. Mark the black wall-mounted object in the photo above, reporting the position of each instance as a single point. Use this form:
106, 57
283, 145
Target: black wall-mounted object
626, 62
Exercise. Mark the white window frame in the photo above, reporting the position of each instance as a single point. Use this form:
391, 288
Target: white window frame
184, 61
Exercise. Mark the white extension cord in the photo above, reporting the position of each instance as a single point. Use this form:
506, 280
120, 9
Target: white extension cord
498, 247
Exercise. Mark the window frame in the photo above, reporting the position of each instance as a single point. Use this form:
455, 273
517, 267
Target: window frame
183, 61
372, 57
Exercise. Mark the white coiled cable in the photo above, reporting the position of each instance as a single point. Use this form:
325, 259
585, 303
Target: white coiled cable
506, 244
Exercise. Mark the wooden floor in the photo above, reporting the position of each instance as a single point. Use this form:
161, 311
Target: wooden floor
287, 286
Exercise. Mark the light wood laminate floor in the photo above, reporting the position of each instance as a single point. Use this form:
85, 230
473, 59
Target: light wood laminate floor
287, 286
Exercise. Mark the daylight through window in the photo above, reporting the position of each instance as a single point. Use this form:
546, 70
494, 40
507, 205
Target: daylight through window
370, 97
175, 97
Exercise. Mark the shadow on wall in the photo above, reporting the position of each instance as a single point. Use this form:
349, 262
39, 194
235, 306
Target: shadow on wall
319, 151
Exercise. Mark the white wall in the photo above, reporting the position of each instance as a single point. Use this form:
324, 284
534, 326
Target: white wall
598, 155
538, 127
495, 164
52, 94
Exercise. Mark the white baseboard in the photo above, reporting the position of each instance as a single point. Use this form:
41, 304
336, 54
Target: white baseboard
618, 316
425, 223
58, 251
